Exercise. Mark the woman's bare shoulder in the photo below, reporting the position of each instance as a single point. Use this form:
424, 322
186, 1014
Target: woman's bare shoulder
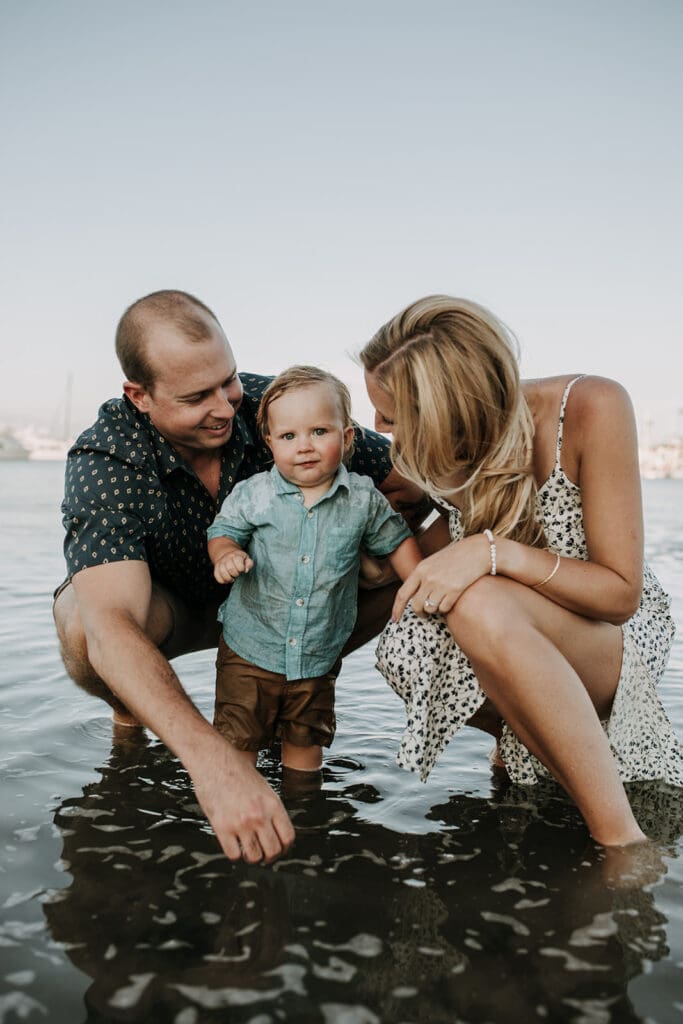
595, 400
590, 395
597, 407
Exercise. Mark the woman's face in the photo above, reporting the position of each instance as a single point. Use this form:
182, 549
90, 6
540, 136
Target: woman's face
385, 412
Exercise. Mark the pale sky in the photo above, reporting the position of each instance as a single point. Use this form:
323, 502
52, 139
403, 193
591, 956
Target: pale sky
308, 168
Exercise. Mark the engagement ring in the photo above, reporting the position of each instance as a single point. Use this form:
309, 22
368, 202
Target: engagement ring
430, 604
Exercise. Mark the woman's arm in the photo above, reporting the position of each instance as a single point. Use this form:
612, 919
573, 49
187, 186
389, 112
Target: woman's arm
600, 439
600, 431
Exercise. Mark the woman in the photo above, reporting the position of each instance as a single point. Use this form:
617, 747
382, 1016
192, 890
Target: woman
541, 602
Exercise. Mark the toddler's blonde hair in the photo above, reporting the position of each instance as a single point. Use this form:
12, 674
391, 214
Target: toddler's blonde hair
302, 377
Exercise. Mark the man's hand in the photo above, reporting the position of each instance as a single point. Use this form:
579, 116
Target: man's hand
246, 815
231, 565
374, 572
248, 818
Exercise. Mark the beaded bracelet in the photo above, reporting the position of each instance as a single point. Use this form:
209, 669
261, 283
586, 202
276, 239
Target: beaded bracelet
550, 575
492, 551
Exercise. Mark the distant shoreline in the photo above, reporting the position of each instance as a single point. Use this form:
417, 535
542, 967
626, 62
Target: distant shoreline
662, 461
657, 462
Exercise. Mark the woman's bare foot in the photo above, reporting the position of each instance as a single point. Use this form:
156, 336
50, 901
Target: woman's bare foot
496, 760
634, 865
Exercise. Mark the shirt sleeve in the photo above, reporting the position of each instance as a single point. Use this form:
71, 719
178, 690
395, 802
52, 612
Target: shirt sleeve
385, 529
370, 455
233, 520
100, 493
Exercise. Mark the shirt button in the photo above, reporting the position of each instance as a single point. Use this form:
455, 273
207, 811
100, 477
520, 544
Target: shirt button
305, 559
311, 514
292, 641
299, 602
299, 497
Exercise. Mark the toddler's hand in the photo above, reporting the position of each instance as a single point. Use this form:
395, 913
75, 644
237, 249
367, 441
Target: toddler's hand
230, 566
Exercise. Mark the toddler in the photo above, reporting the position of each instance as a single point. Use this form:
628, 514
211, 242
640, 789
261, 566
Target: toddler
290, 539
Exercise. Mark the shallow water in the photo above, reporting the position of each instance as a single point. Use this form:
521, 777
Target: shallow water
464, 900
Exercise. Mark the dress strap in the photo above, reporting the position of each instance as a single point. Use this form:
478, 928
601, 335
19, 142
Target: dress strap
560, 425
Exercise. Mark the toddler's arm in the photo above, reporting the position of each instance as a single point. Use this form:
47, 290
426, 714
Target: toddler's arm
405, 557
229, 560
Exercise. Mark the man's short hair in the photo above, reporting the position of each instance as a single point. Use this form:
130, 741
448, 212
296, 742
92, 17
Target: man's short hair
175, 308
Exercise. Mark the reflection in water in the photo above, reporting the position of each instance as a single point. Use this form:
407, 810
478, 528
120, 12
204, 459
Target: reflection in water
505, 912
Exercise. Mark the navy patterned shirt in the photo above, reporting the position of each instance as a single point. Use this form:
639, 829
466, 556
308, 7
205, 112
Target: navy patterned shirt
130, 495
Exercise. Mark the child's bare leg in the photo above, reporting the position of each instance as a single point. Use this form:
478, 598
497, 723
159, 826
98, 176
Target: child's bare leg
551, 674
301, 759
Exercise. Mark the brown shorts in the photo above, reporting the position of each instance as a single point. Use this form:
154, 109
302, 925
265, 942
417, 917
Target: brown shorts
255, 706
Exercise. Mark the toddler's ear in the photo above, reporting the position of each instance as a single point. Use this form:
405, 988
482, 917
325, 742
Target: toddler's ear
349, 434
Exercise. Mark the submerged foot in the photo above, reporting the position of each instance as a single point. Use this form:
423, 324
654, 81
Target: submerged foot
122, 717
634, 865
495, 760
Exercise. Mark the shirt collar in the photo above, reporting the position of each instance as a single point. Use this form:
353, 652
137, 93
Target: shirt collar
283, 486
170, 460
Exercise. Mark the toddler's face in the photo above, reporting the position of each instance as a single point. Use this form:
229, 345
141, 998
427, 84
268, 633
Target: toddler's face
307, 435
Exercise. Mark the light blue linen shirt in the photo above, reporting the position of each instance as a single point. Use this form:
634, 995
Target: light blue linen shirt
293, 612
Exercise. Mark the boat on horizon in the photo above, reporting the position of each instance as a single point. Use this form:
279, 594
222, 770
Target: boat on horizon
11, 448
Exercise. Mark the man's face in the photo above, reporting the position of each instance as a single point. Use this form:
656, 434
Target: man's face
196, 391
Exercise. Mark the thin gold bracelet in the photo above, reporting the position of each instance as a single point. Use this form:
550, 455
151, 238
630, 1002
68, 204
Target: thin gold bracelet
550, 575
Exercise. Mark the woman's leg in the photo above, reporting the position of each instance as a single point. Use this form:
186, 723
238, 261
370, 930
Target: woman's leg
552, 674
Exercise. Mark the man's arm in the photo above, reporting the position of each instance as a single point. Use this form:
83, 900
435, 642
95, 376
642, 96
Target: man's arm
414, 506
114, 602
406, 498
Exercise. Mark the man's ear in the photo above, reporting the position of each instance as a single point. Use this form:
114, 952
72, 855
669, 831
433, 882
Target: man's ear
138, 395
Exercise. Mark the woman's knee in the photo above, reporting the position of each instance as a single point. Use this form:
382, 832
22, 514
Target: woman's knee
485, 617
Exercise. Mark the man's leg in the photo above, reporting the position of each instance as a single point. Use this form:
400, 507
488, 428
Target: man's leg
374, 611
174, 627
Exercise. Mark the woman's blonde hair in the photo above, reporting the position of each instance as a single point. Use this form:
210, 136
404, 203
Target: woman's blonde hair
450, 368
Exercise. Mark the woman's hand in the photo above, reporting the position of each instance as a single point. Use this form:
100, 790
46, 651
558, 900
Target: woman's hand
438, 581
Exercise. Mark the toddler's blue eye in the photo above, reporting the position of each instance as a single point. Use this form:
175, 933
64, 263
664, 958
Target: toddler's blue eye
319, 431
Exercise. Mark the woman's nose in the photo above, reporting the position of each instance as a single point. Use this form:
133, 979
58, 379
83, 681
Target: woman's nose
381, 426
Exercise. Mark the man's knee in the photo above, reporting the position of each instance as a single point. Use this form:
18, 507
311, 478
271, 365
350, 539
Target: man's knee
73, 646
374, 611
72, 640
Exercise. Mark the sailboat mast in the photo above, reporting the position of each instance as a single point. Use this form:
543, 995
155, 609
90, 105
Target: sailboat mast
67, 406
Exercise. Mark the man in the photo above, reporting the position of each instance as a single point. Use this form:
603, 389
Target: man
142, 486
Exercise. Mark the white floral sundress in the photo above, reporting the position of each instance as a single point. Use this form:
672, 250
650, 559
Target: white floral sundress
434, 678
